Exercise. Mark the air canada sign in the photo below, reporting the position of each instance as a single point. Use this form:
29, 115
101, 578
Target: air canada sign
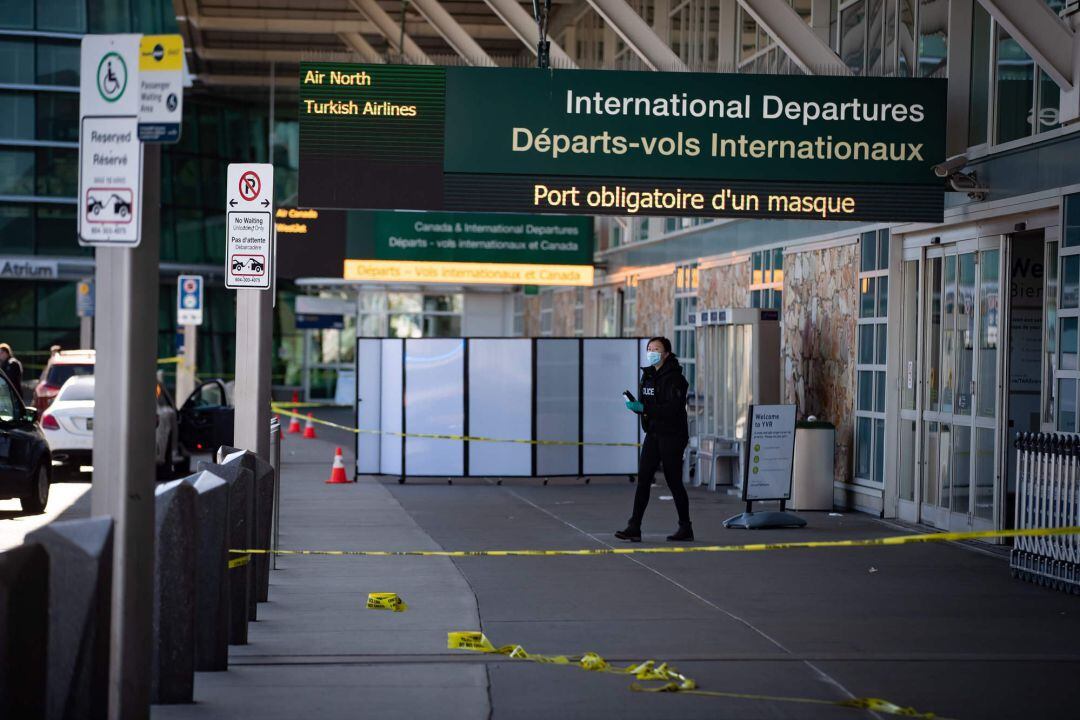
622, 143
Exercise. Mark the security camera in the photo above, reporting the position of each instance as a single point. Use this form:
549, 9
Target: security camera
953, 164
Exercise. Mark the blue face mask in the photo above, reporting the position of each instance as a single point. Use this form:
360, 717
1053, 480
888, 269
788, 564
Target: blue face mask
652, 357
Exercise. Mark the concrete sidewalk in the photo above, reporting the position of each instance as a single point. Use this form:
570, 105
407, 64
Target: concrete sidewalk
940, 628
316, 652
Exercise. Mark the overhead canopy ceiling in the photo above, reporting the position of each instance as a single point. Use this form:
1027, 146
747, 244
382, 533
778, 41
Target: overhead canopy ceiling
234, 42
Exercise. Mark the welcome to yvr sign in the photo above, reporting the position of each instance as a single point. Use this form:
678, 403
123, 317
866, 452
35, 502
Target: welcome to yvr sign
620, 143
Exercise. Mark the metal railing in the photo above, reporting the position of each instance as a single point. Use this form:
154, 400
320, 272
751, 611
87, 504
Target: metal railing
1047, 496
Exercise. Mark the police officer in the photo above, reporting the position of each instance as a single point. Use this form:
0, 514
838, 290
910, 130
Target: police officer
661, 404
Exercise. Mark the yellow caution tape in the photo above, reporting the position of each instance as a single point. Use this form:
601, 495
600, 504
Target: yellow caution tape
240, 561
671, 679
299, 404
170, 360
752, 547
648, 670
386, 601
280, 409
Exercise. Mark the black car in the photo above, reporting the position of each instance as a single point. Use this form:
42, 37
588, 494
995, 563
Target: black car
25, 461
206, 418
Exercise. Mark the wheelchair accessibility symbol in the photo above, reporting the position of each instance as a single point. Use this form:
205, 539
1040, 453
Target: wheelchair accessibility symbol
112, 77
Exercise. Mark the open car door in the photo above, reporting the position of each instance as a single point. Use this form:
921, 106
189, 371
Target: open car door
206, 418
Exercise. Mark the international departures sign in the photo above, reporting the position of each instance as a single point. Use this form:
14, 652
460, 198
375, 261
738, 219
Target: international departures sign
620, 143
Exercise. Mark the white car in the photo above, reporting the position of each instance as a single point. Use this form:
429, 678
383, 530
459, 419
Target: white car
69, 428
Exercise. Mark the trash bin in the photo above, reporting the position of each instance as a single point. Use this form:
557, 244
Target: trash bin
812, 474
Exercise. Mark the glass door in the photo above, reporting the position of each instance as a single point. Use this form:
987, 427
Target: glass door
953, 425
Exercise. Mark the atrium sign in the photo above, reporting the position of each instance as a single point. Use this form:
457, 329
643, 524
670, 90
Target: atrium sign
620, 143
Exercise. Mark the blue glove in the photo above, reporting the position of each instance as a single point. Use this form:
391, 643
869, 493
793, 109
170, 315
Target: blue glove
635, 406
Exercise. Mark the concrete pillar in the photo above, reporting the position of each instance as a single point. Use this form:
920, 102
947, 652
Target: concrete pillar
80, 567
240, 535
24, 621
211, 571
174, 594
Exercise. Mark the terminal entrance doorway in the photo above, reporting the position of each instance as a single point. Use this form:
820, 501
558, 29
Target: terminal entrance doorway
970, 376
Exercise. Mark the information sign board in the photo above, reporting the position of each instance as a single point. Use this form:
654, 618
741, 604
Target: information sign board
189, 300
84, 298
110, 154
249, 226
161, 88
770, 450
620, 143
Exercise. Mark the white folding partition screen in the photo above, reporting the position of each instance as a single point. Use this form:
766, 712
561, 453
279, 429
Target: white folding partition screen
558, 404
434, 405
609, 367
391, 406
500, 406
546, 389
369, 405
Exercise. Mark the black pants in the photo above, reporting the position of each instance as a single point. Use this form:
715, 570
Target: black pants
656, 451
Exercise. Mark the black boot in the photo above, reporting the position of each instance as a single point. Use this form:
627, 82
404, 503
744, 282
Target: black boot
631, 533
685, 533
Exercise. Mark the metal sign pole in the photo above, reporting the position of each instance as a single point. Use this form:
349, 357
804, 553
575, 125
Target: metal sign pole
126, 347
254, 315
185, 369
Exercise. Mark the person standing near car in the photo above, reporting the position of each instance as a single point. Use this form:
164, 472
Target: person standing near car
661, 404
11, 367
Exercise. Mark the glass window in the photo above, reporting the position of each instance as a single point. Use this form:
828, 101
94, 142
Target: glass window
7, 403
17, 14
17, 305
883, 249
933, 38
56, 305
948, 343
1069, 343
989, 332
984, 473
442, 326
1050, 299
865, 400
909, 343
933, 332
16, 172
1070, 281
55, 231
57, 115
16, 60
1015, 89
1072, 221
965, 333
868, 252
879, 392
863, 439
853, 36
867, 291
1067, 408
882, 344
16, 229
879, 450
58, 172
866, 344
63, 15
882, 296
17, 116
57, 63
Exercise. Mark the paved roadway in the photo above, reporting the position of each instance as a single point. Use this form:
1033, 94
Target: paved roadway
941, 628
69, 499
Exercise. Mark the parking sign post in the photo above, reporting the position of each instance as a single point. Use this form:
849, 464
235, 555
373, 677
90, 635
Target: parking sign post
111, 217
249, 269
189, 316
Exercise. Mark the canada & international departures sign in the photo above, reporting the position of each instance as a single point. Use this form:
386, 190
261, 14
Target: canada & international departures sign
620, 143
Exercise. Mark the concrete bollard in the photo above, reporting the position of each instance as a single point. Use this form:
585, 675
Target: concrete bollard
264, 517
174, 594
211, 571
24, 630
80, 573
240, 535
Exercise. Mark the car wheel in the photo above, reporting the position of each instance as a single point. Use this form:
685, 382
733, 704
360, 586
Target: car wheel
37, 496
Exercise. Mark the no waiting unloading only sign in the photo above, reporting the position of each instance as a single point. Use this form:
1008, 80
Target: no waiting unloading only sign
249, 255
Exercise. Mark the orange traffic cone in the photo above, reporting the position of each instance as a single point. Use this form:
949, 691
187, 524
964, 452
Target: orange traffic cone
309, 428
337, 471
294, 426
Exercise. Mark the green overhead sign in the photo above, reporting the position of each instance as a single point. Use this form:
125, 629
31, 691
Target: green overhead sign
472, 237
624, 143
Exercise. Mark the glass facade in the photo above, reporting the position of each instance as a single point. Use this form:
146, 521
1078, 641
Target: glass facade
39, 133
871, 354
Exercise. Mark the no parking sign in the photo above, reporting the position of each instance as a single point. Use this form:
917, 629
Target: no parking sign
189, 300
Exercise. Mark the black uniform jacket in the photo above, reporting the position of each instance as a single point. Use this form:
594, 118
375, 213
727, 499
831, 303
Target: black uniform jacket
663, 392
